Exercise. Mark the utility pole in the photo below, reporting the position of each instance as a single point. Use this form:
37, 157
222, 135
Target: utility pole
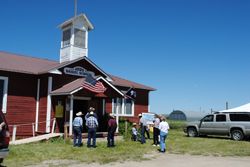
226, 105
75, 8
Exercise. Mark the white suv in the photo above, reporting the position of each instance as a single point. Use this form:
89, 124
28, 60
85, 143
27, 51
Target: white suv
233, 124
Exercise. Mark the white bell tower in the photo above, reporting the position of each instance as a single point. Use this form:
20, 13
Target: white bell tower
74, 43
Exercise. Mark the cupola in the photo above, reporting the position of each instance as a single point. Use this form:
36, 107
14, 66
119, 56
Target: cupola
74, 43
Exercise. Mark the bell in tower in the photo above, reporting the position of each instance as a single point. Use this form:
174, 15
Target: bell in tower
74, 43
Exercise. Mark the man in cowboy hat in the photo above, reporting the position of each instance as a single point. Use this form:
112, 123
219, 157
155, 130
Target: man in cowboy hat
77, 129
91, 109
92, 124
112, 125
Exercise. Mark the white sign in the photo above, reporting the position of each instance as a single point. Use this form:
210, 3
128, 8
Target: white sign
78, 71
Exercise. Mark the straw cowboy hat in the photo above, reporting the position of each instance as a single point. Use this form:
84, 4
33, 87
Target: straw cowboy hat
112, 115
139, 115
79, 113
91, 109
134, 124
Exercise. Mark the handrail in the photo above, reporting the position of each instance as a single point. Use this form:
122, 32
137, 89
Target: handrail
33, 127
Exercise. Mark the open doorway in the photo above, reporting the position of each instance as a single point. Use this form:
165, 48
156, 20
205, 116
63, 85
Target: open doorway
81, 105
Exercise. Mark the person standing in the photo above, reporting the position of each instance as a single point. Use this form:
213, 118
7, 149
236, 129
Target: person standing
143, 125
164, 127
156, 130
134, 132
77, 129
92, 124
112, 125
88, 113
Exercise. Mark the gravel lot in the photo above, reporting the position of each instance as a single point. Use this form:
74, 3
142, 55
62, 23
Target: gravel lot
161, 160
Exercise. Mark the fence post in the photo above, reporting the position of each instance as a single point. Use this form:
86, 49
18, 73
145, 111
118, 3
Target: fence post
33, 129
54, 125
126, 127
14, 134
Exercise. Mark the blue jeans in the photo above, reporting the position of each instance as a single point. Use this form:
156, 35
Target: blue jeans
163, 137
77, 130
91, 135
143, 129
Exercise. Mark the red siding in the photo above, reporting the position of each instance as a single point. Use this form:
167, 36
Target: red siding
21, 102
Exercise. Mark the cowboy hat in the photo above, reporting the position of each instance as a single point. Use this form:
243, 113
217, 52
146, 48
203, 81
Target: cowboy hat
134, 124
112, 115
91, 109
91, 113
139, 115
79, 113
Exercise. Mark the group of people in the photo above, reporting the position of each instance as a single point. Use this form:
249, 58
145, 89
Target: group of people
91, 122
160, 131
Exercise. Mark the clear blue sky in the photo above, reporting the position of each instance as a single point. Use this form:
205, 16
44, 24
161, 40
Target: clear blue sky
196, 53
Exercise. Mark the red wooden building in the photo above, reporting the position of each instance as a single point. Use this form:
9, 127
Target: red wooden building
34, 90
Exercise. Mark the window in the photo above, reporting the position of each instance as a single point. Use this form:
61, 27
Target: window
208, 118
220, 118
123, 106
3, 93
117, 105
239, 117
79, 39
66, 37
128, 107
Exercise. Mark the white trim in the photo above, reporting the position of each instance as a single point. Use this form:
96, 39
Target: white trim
37, 104
48, 115
103, 106
71, 115
110, 85
74, 91
5, 93
113, 111
123, 107
55, 71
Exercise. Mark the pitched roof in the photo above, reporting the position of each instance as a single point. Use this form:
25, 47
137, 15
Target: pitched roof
117, 81
69, 88
23, 64
31, 65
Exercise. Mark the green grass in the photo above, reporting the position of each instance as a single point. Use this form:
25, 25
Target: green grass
28, 154
177, 143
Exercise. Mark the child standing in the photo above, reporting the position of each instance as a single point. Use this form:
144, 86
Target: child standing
134, 132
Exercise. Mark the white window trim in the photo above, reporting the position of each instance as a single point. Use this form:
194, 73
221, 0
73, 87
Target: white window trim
5, 93
123, 108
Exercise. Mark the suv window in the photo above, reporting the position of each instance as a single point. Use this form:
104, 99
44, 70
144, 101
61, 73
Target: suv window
220, 118
239, 117
208, 118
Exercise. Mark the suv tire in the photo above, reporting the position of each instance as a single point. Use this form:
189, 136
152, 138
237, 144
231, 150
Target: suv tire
237, 134
192, 132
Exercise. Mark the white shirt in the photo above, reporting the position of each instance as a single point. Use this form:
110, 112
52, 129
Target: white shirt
156, 123
164, 126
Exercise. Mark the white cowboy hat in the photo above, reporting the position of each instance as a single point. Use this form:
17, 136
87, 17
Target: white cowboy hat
91, 109
91, 113
79, 113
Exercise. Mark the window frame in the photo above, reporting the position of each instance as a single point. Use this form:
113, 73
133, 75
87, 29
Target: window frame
83, 38
123, 107
5, 93
64, 44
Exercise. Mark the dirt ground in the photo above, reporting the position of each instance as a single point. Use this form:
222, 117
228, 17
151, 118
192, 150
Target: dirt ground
162, 160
